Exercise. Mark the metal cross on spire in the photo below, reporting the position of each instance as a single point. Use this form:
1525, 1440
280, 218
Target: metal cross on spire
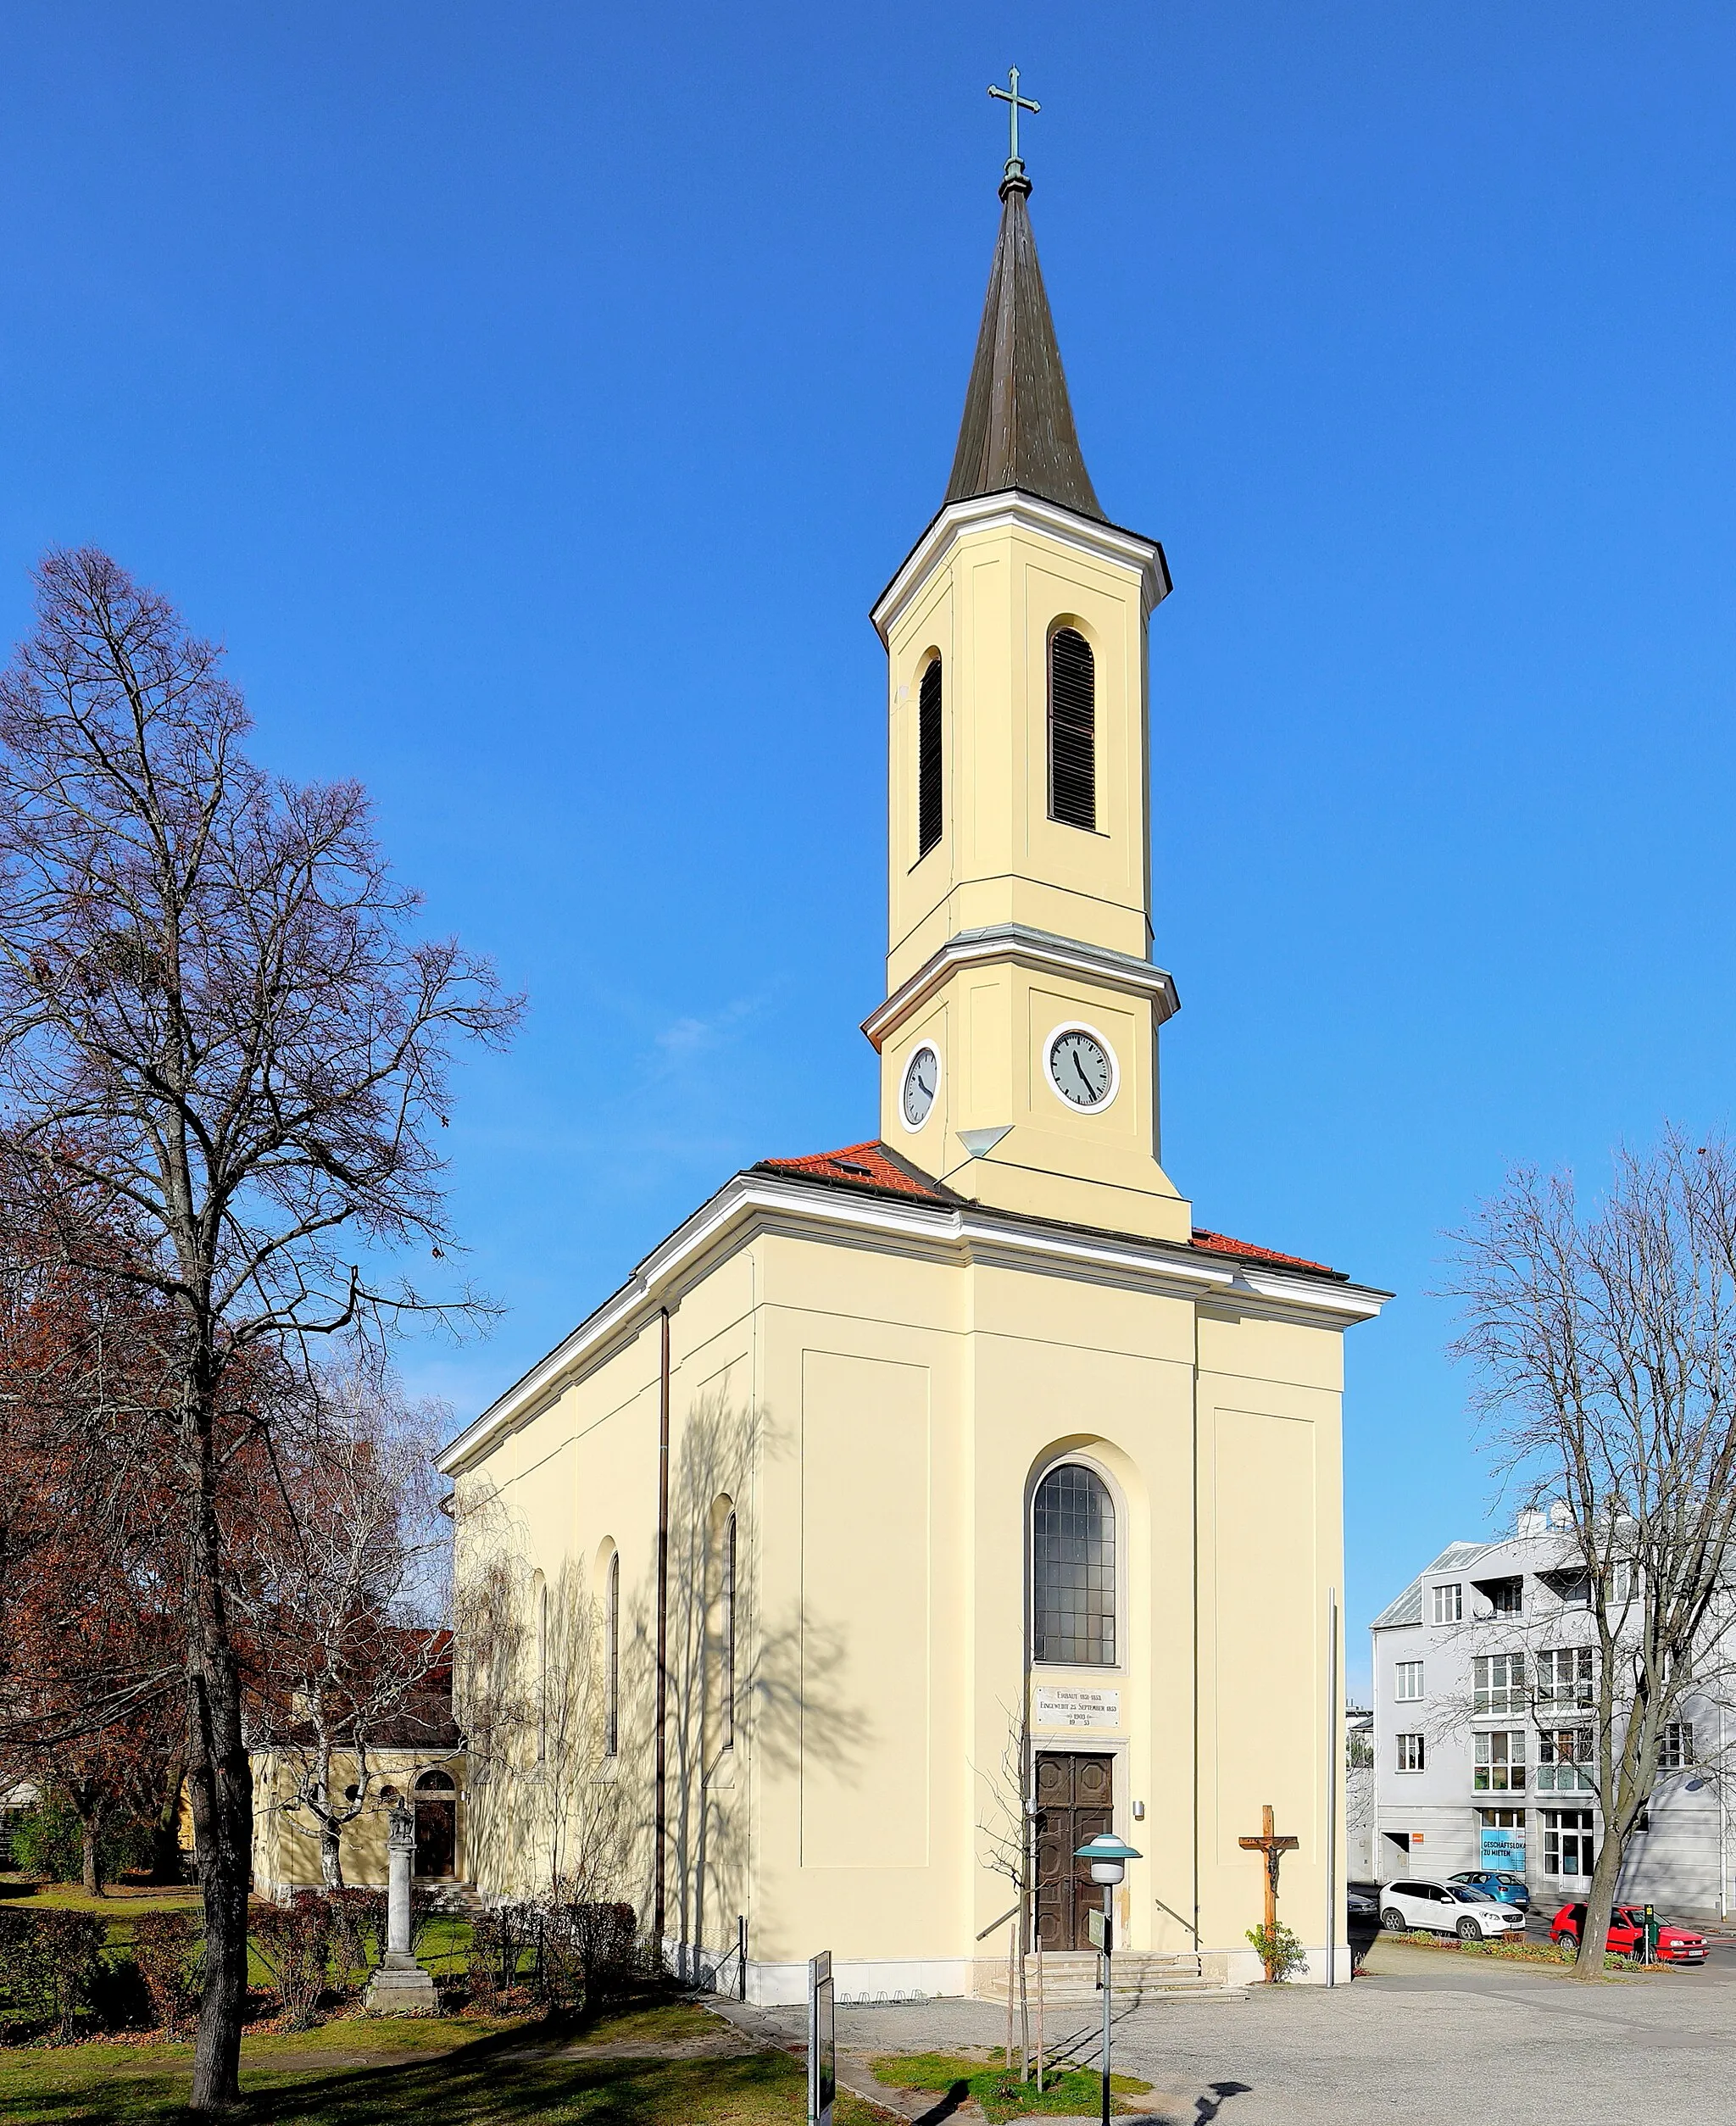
1014, 102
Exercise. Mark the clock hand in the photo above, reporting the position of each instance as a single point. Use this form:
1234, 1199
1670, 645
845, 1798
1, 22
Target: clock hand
1090, 1089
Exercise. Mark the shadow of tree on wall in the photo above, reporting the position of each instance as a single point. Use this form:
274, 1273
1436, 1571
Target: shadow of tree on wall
746, 1691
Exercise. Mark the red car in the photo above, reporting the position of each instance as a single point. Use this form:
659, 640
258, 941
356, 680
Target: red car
1626, 1934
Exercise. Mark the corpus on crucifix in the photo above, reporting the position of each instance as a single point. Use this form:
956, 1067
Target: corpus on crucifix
1274, 1849
1015, 103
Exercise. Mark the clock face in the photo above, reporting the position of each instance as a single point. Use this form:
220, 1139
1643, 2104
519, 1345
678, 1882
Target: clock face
1081, 1068
922, 1078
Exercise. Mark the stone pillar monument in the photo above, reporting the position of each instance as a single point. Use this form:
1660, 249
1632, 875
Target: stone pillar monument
400, 1986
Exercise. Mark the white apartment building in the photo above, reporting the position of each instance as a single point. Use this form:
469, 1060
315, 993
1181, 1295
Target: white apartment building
1483, 1738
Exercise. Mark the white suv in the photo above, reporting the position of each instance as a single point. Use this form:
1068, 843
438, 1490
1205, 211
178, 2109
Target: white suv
1448, 1908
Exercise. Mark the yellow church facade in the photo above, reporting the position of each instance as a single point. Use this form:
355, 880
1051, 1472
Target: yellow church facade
918, 1510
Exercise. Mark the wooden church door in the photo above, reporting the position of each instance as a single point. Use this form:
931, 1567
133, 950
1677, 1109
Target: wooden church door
1074, 1801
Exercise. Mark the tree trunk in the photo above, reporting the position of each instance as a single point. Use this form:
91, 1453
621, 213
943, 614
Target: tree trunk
1589, 1962
331, 1854
165, 1826
92, 1872
220, 1784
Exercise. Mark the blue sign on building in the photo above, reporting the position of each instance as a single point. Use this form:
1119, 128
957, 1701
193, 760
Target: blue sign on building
1503, 1849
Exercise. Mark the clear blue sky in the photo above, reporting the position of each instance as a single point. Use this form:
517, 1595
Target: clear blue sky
535, 397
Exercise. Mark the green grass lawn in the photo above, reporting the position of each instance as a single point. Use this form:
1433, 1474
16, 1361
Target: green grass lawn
1074, 2094
361, 2073
121, 1902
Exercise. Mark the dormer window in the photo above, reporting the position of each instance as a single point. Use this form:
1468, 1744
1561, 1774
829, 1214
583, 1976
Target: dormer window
1072, 730
928, 760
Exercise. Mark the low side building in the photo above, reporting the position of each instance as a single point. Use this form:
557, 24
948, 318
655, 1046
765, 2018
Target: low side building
416, 1757
1483, 1743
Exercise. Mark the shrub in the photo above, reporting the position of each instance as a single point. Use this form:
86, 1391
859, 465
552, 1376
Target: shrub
294, 1941
166, 1946
1279, 1949
499, 1939
50, 1963
358, 1932
606, 1939
48, 1842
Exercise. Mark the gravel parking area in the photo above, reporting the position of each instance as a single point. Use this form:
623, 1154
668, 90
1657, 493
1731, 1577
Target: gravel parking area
1426, 2036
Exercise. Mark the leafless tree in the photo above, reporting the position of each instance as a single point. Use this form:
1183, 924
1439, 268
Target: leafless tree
341, 1581
216, 1021
1003, 1829
1604, 1341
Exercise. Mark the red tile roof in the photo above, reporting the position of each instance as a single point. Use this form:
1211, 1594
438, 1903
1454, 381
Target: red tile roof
872, 1166
868, 1166
1222, 1243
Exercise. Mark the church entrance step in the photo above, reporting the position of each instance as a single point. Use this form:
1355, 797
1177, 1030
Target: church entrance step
463, 1899
1073, 1976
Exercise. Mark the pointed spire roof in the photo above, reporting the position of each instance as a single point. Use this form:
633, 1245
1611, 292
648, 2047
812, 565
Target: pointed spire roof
1018, 426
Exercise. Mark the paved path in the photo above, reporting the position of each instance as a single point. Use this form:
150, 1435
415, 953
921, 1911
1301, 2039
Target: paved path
1427, 2037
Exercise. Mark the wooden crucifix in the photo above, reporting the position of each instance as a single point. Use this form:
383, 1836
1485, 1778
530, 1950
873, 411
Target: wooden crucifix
1274, 1849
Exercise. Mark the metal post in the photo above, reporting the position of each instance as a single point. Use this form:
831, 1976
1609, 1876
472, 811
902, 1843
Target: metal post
741, 1955
822, 2057
1334, 1757
1108, 1978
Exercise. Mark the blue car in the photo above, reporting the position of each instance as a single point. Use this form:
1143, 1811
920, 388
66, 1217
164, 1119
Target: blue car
1505, 1889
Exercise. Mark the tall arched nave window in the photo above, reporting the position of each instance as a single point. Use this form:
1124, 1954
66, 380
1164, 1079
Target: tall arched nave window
1073, 1568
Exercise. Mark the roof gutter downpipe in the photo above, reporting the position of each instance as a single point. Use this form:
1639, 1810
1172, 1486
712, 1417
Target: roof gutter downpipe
659, 1834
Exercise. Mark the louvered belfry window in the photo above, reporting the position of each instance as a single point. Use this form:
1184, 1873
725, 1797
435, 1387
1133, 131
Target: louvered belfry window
1072, 729
928, 760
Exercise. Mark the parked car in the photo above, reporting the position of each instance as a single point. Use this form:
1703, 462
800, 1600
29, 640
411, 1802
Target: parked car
1505, 1889
1626, 1934
1449, 1908
1362, 1904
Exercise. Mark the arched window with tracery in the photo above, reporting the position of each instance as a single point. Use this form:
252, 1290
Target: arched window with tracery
1073, 1568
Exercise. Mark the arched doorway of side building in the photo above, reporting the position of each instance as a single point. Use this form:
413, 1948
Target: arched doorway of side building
435, 1803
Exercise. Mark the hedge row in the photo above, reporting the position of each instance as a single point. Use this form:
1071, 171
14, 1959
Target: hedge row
58, 1977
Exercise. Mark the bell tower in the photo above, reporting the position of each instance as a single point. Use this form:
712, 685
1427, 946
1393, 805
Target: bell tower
1018, 1039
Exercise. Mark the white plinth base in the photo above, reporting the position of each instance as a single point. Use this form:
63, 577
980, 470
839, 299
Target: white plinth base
401, 1987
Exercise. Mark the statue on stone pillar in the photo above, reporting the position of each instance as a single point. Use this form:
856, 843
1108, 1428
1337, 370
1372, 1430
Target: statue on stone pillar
400, 1986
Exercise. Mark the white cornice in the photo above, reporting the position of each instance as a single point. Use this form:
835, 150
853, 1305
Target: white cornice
751, 1202
1037, 949
987, 512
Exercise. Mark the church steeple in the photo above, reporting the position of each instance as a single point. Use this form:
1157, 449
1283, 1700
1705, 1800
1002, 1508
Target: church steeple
1018, 1039
1018, 426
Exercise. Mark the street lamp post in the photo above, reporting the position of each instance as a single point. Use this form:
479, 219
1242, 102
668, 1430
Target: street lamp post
1109, 1859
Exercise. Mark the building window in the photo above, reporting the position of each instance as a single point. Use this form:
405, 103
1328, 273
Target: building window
1566, 1842
1073, 1568
1501, 1762
1407, 1681
1498, 1683
1564, 1677
1410, 1752
1623, 1583
720, 1628
1564, 1760
1072, 729
1505, 1597
611, 1657
1449, 1603
1570, 1586
1676, 1750
929, 759
540, 1587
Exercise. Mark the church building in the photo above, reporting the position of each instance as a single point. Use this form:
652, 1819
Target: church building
918, 1509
